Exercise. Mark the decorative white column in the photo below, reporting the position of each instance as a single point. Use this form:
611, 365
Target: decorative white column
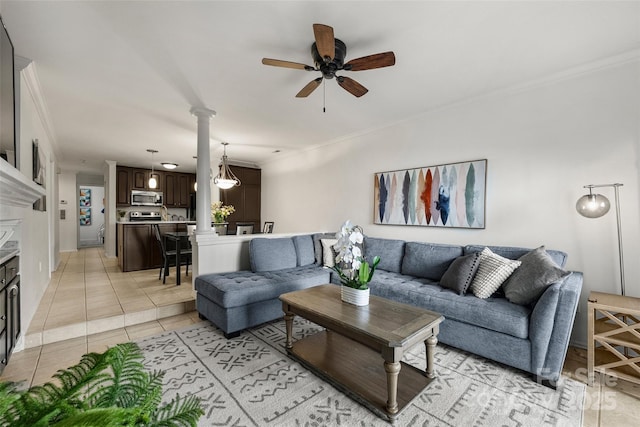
203, 170
202, 239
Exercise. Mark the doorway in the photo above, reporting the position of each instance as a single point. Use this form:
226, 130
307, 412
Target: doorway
90, 205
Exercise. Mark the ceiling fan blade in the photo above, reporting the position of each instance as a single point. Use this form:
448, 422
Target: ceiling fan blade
286, 64
325, 42
370, 62
310, 87
352, 86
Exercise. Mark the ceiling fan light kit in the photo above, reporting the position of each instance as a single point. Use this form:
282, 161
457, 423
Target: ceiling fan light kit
328, 55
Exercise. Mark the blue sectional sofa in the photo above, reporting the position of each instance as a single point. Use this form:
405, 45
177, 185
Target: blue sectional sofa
533, 337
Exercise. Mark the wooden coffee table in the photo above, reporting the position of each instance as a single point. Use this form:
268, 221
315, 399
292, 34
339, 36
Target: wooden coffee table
347, 354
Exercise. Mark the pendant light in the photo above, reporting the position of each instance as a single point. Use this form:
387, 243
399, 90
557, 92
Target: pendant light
153, 182
225, 179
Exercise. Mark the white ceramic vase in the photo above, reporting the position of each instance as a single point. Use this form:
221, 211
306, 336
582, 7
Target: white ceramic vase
354, 296
220, 228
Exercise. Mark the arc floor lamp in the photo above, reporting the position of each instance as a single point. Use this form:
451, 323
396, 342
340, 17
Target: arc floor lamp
596, 205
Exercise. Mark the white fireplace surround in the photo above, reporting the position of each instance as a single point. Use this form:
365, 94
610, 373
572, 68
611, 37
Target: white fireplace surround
16, 189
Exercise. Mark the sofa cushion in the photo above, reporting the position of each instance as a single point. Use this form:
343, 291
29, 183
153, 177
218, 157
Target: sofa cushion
272, 254
532, 278
492, 272
317, 245
402, 288
241, 288
428, 260
305, 254
460, 273
390, 252
493, 313
513, 252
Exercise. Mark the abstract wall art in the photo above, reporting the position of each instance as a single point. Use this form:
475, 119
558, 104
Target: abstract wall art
85, 197
450, 195
85, 216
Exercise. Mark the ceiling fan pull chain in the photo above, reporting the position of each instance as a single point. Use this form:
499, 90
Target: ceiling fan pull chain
324, 96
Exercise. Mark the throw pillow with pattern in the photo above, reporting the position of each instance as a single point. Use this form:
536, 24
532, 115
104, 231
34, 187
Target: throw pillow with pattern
492, 272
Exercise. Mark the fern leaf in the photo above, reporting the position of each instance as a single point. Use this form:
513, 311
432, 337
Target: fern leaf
128, 376
109, 389
9, 394
103, 417
185, 412
49, 402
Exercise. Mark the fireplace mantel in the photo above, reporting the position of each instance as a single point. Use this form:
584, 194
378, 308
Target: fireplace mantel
16, 189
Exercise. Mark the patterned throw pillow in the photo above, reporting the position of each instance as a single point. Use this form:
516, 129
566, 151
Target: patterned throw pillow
492, 272
328, 253
460, 273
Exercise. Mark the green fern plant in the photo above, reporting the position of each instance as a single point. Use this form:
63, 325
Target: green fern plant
108, 389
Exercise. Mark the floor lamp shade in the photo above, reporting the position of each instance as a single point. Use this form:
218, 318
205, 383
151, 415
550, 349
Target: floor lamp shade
593, 205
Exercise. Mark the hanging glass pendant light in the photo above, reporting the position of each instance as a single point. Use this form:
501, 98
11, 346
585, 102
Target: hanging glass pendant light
153, 182
225, 178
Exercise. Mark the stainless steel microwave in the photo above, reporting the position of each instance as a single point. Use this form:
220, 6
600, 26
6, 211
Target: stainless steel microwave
146, 198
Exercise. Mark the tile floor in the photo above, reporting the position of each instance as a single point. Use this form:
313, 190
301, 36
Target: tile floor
90, 305
92, 287
88, 294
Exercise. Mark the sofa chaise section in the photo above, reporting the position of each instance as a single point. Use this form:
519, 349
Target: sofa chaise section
238, 300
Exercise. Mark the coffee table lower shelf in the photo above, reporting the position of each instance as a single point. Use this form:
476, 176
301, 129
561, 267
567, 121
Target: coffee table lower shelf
357, 370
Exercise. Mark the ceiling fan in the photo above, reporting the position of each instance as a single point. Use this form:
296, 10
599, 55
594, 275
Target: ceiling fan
328, 54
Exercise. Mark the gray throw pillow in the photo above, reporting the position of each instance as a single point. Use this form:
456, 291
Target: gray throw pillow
460, 273
531, 279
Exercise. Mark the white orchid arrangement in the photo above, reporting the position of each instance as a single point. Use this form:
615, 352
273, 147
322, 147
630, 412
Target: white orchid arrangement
220, 212
359, 272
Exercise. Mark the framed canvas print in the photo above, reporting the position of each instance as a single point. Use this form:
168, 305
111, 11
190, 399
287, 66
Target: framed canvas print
85, 197
449, 195
85, 216
268, 227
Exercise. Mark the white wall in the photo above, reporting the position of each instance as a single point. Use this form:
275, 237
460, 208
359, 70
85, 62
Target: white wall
68, 226
542, 144
35, 235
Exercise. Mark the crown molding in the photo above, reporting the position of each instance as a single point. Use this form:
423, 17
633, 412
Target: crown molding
580, 70
30, 76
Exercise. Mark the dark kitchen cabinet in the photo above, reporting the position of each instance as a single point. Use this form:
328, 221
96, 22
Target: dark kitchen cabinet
9, 308
135, 246
170, 187
140, 179
176, 194
175, 186
138, 248
245, 198
183, 185
123, 186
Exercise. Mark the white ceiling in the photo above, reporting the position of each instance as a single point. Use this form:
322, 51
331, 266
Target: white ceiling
119, 77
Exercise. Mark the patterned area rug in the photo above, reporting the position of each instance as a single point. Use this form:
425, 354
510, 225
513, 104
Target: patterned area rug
250, 381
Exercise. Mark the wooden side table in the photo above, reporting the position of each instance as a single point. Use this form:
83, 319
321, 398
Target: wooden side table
614, 336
